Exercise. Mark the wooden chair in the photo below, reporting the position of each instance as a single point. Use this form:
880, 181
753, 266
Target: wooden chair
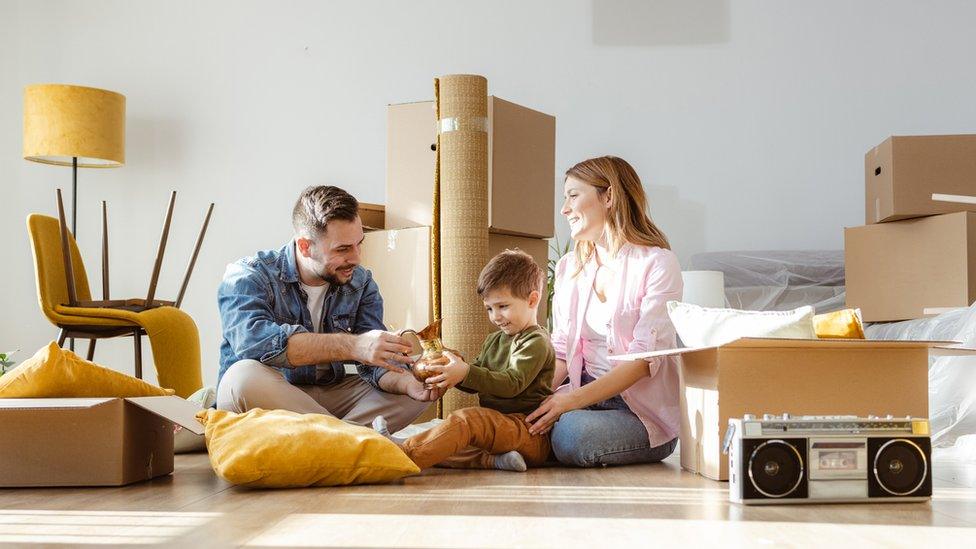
63, 281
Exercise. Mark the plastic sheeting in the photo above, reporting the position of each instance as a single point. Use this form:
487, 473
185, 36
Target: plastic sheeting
779, 280
952, 380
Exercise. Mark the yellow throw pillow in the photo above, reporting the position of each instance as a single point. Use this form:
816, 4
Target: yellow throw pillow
54, 372
843, 324
282, 449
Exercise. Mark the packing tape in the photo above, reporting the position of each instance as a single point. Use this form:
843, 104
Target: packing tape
475, 124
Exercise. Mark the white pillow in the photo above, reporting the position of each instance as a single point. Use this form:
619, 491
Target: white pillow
705, 327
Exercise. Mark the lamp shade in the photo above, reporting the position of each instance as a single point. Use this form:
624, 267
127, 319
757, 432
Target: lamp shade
704, 288
62, 122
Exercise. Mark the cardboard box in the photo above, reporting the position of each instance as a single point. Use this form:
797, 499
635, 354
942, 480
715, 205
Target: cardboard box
896, 270
795, 376
903, 172
89, 441
373, 216
400, 262
521, 167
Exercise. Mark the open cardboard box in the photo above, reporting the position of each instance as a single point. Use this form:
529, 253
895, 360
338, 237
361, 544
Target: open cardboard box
89, 441
796, 376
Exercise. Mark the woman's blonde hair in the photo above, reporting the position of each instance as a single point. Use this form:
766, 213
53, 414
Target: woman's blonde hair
628, 220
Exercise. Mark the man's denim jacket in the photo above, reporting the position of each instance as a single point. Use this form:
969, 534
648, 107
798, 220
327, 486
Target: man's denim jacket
262, 304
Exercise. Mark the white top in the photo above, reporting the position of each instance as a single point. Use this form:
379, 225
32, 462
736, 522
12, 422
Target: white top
316, 300
596, 327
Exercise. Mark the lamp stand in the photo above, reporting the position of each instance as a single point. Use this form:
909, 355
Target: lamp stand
74, 217
74, 197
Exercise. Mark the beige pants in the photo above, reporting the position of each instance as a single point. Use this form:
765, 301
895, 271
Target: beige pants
249, 384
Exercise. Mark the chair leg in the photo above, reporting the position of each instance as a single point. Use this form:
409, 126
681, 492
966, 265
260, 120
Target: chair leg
62, 335
91, 349
71, 344
137, 337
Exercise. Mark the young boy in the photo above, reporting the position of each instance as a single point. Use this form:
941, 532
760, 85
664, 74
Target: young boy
512, 375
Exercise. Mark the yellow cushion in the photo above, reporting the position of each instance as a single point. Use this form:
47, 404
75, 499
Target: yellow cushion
843, 324
54, 372
280, 449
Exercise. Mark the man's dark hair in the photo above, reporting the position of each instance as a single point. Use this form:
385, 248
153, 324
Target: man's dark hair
316, 206
512, 269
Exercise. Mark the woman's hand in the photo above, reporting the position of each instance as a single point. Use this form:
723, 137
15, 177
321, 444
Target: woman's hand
451, 373
545, 416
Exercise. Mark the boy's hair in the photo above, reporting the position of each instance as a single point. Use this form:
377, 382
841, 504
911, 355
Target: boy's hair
514, 270
316, 206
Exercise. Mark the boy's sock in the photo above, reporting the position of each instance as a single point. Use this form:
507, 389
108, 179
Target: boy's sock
510, 461
381, 427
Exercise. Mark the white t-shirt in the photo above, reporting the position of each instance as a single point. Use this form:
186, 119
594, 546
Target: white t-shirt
596, 326
316, 300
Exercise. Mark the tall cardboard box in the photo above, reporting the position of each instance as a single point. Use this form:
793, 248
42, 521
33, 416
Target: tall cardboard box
400, 262
897, 270
795, 376
521, 167
89, 441
903, 172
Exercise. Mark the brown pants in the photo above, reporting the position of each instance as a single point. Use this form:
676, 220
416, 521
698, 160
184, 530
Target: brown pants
487, 430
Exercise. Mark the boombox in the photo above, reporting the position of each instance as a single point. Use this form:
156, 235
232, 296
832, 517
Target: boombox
822, 459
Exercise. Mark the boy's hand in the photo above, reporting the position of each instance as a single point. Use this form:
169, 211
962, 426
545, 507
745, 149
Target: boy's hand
450, 374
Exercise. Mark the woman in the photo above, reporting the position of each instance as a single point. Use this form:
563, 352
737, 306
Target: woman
610, 300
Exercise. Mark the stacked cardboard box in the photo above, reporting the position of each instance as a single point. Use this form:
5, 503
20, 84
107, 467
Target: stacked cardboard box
373, 216
521, 179
521, 167
400, 262
917, 253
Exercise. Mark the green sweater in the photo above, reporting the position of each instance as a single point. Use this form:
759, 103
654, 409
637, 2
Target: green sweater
513, 374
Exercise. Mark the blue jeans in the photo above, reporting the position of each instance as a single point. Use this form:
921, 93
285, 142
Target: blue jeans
606, 433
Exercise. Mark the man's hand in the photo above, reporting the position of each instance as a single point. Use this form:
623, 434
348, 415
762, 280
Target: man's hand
419, 391
451, 373
383, 349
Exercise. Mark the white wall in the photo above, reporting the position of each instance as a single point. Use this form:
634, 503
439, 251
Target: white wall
747, 120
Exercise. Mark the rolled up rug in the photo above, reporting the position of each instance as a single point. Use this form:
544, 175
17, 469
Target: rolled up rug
462, 190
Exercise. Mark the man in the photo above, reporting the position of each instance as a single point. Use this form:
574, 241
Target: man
293, 317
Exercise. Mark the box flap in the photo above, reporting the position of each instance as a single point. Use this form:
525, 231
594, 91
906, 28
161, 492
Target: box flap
951, 350
936, 348
51, 403
173, 408
762, 342
654, 354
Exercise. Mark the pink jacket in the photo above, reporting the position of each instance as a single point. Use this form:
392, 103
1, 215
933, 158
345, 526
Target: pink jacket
647, 278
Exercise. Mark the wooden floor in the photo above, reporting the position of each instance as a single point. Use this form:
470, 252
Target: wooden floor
645, 506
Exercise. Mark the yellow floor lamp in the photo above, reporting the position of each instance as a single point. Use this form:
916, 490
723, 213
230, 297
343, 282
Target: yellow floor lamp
74, 126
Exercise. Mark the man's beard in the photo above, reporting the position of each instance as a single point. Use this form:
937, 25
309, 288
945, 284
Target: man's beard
330, 277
